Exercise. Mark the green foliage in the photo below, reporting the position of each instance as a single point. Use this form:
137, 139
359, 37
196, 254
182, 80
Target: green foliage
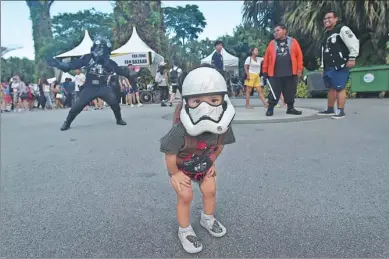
69, 28
349, 92
146, 16
244, 38
367, 19
302, 90
24, 67
185, 22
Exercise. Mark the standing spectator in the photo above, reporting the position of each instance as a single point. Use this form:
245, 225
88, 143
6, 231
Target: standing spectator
125, 86
80, 81
252, 67
217, 58
134, 85
68, 87
47, 94
174, 73
20, 93
340, 48
58, 95
283, 65
41, 97
161, 78
3, 105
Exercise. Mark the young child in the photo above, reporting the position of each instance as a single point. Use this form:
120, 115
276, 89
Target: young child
192, 146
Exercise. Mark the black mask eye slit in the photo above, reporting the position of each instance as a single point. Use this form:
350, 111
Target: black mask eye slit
224, 105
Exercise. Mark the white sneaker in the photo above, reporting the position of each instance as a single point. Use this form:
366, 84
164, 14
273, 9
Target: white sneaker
132, 106
190, 242
139, 105
214, 227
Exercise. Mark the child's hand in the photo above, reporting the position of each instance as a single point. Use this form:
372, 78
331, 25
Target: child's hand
212, 171
181, 178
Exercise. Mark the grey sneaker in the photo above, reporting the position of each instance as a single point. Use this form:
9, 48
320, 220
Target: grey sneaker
214, 227
190, 241
340, 115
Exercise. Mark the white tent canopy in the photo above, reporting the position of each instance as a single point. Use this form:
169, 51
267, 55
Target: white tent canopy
82, 49
136, 52
231, 63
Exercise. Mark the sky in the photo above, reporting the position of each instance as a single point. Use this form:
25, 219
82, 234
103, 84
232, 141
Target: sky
221, 16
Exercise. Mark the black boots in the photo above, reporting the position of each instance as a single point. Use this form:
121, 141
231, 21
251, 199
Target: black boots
65, 126
269, 112
293, 111
121, 122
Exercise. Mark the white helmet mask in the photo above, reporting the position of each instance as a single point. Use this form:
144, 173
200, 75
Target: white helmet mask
206, 117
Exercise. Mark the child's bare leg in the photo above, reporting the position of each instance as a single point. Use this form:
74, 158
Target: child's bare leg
208, 221
208, 189
184, 201
186, 234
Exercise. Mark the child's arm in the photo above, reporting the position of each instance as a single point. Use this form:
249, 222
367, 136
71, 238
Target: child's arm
171, 163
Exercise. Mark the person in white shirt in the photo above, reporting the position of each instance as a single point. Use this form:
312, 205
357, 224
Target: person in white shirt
252, 67
80, 81
174, 73
161, 78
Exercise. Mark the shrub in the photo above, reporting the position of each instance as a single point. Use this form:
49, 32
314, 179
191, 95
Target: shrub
302, 90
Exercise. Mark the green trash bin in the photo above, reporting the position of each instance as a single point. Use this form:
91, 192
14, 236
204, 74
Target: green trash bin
370, 79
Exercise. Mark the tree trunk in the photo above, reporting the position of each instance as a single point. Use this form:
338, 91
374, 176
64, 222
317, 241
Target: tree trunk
42, 34
146, 16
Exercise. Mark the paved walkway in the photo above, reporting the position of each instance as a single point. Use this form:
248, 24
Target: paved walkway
316, 188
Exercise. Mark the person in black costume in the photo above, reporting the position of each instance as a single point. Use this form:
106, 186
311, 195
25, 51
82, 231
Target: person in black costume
98, 66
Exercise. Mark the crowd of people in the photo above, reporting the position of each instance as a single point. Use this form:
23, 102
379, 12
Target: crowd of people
280, 69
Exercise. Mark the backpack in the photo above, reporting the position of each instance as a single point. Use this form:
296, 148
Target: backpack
174, 76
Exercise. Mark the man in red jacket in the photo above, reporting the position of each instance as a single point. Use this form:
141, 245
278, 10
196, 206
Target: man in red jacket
283, 65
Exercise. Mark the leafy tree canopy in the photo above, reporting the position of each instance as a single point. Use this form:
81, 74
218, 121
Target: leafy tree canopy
69, 28
24, 67
186, 23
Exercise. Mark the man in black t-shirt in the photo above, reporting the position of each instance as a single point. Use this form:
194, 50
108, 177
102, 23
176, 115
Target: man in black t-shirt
217, 58
282, 65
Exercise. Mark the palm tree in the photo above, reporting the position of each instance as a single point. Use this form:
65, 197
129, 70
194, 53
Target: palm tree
41, 33
263, 13
368, 19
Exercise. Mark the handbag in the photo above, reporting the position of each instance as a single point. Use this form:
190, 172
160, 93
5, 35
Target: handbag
59, 96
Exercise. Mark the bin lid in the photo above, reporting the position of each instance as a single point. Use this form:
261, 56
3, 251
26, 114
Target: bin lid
369, 68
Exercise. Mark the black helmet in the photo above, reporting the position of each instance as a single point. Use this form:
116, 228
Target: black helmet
101, 48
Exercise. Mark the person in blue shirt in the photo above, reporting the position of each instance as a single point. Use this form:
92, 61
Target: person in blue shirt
217, 58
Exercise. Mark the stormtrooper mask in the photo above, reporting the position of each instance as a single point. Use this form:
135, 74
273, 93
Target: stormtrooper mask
206, 105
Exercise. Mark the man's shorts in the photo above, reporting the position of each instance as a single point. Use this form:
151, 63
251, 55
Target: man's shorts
174, 88
336, 79
134, 89
253, 80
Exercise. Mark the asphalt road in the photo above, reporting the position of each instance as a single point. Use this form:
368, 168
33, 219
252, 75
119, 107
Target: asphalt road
315, 188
